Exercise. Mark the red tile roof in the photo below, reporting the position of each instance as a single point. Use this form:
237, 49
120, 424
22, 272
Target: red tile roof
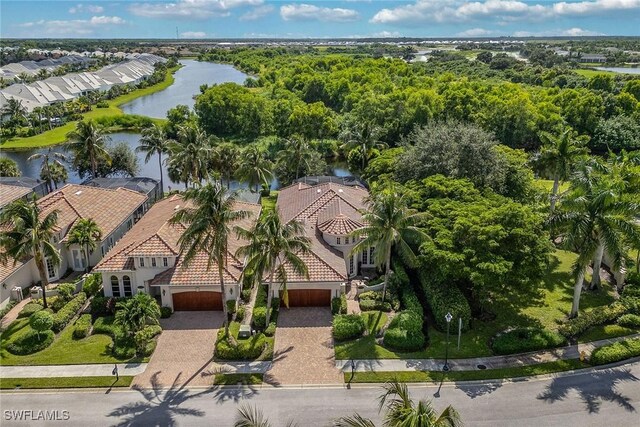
11, 193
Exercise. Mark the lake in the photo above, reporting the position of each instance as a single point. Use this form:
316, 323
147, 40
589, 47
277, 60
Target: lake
622, 70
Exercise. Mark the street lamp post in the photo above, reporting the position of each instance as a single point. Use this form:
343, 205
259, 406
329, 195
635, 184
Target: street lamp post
448, 318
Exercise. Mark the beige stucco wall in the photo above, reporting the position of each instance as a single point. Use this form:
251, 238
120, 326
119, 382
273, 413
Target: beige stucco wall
23, 277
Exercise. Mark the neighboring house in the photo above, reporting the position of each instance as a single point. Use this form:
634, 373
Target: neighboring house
115, 212
36, 185
147, 259
330, 212
591, 58
148, 186
11, 193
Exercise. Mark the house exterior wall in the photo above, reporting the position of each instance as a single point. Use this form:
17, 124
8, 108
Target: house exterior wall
23, 277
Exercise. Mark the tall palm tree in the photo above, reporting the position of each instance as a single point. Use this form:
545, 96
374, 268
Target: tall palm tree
224, 159
592, 220
154, 141
86, 234
88, 141
297, 154
56, 174
254, 168
48, 158
365, 136
272, 246
208, 217
401, 411
558, 156
15, 110
389, 223
189, 156
25, 234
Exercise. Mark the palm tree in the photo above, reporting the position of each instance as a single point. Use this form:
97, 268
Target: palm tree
250, 416
189, 156
56, 174
365, 136
594, 219
558, 156
137, 312
402, 411
88, 141
48, 158
272, 246
254, 168
15, 110
154, 141
224, 158
297, 154
86, 234
389, 222
208, 216
24, 234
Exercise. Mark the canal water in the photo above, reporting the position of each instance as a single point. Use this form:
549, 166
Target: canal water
621, 70
187, 84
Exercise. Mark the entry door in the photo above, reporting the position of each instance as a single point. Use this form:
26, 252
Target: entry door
78, 260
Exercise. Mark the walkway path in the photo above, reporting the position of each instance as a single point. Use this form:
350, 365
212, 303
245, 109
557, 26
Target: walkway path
60, 371
12, 315
493, 362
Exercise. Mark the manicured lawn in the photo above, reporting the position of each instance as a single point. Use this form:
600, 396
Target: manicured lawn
374, 321
602, 332
64, 382
437, 376
545, 307
547, 184
58, 135
65, 350
234, 379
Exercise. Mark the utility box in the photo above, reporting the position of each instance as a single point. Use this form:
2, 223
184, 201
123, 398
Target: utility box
16, 293
244, 332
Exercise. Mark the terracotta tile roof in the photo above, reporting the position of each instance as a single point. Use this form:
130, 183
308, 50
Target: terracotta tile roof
11, 193
153, 235
334, 219
7, 269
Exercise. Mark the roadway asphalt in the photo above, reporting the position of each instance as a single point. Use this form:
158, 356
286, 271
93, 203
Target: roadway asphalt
607, 397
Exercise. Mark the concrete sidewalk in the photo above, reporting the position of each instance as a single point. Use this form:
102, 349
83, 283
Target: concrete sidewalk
493, 362
59, 371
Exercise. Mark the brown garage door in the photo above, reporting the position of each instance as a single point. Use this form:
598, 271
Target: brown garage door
309, 298
197, 301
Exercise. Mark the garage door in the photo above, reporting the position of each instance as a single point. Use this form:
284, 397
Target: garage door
309, 298
197, 301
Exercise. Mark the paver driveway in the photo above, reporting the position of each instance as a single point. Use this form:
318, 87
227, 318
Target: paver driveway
303, 351
184, 351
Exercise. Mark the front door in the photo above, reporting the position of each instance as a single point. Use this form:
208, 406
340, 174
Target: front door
78, 260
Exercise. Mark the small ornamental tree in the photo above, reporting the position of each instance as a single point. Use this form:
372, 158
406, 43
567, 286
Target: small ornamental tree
41, 321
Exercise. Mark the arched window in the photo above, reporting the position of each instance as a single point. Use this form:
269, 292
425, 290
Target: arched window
115, 286
126, 284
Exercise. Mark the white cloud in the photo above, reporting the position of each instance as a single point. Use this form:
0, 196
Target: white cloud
78, 27
475, 32
309, 12
423, 11
193, 35
190, 9
86, 8
257, 13
570, 32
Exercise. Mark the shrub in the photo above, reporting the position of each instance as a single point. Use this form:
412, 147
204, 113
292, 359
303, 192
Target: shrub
92, 284
231, 306
443, 299
406, 320
271, 329
522, 340
66, 313
390, 298
105, 326
631, 304
259, 317
31, 342
615, 352
372, 305
29, 309
143, 337
597, 316
347, 326
240, 313
411, 302
7, 308
103, 306
404, 340
248, 349
102, 104
56, 303
165, 312
82, 326
629, 320
339, 305
65, 291
246, 295
41, 321
631, 291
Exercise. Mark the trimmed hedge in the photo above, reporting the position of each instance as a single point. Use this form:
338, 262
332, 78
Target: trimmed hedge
271, 329
165, 312
339, 305
66, 291
248, 349
597, 316
629, 320
391, 299
31, 343
92, 284
29, 309
240, 313
82, 326
406, 320
66, 313
522, 340
259, 318
443, 299
373, 305
348, 326
616, 352
632, 304
143, 337
411, 302
404, 340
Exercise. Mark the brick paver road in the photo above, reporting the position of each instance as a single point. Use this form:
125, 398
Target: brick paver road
303, 351
184, 351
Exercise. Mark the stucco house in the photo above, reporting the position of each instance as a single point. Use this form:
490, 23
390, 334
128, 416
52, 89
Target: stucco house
114, 210
148, 260
330, 212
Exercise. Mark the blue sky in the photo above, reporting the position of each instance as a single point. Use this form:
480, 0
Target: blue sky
348, 18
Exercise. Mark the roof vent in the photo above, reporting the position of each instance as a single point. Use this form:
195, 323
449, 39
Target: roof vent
340, 190
318, 191
77, 193
176, 208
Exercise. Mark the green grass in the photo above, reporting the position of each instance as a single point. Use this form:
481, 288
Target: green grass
269, 202
374, 321
234, 379
547, 185
65, 350
602, 332
58, 135
489, 374
543, 306
64, 382
590, 73
234, 328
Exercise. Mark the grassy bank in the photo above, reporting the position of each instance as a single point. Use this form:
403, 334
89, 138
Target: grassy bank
58, 135
65, 382
489, 374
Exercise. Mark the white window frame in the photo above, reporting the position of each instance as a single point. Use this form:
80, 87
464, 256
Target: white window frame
338, 240
165, 262
153, 262
141, 260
